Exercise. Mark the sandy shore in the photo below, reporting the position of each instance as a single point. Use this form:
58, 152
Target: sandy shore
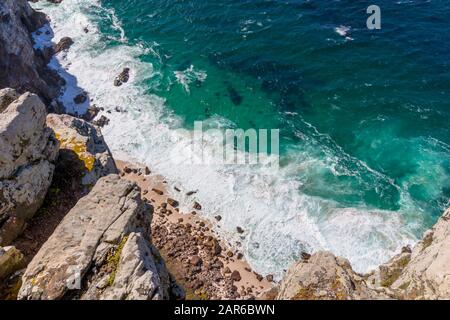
194, 253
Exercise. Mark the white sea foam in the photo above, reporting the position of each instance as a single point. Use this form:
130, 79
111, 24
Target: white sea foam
279, 221
190, 75
342, 30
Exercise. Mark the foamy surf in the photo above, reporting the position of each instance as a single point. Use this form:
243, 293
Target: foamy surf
279, 221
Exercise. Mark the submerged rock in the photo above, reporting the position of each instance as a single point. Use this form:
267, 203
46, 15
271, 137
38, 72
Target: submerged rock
235, 97
197, 206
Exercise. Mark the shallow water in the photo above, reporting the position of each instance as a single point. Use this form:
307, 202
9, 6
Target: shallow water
364, 140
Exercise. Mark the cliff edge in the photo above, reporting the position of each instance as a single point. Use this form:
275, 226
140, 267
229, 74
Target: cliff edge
421, 273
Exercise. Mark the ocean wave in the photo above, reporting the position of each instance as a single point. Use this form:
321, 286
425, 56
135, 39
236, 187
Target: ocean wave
279, 220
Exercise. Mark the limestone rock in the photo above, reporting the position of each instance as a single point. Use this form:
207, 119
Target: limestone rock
7, 96
386, 274
421, 273
22, 67
324, 277
100, 250
86, 141
11, 260
427, 275
28, 150
140, 273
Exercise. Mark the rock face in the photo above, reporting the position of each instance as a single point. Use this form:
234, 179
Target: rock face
324, 277
28, 150
427, 275
420, 273
86, 141
23, 68
101, 250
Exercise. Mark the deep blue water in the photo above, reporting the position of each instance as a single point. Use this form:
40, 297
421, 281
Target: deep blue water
381, 97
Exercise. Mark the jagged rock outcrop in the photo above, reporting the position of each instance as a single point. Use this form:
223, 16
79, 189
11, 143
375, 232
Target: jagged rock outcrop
28, 150
22, 67
324, 277
101, 250
419, 273
427, 274
86, 141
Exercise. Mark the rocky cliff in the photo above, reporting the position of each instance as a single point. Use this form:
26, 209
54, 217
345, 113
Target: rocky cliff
101, 250
88, 231
28, 150
21, 66
420, 273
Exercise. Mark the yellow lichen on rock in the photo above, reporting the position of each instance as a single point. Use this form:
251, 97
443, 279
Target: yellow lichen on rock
80, 148
113, 259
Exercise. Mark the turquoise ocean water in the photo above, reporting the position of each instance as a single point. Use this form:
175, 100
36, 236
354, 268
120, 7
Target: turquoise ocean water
364, 114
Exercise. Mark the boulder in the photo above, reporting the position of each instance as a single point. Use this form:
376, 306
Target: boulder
86, 141
102, 121
80, 98
63, 45
122, 78
28, 150
92, 112
101, 250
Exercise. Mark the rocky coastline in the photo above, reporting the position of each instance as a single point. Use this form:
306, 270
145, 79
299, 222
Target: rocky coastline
75, 223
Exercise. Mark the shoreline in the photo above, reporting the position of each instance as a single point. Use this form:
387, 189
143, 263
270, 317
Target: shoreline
209, 268
301, 234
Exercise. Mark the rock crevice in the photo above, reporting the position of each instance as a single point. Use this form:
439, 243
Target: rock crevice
101, 250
